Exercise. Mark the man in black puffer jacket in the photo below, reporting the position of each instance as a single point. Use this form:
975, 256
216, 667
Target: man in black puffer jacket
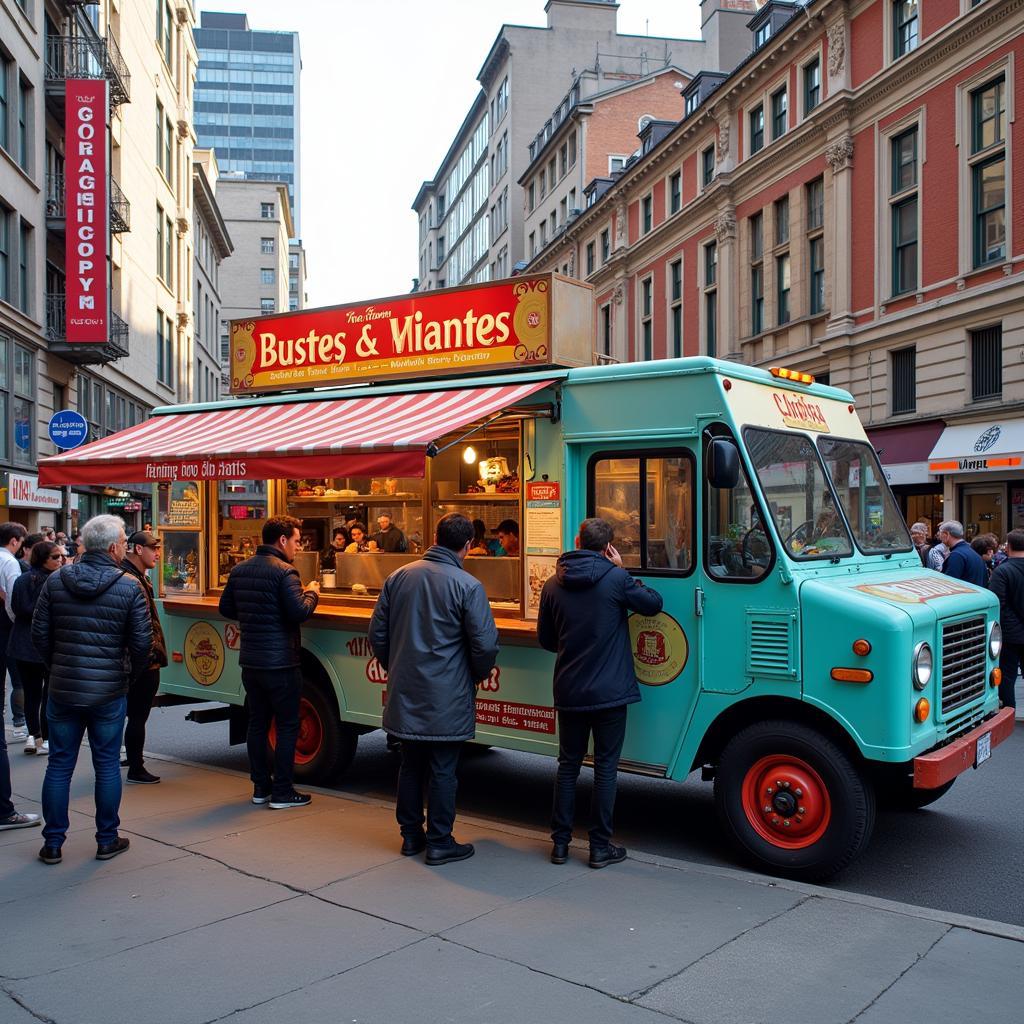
266, 595
583, 616
92, 629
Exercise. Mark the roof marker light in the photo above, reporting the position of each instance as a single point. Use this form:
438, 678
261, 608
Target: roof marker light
796, 376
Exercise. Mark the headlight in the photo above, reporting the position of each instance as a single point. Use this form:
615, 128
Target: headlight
995, 640
922, 665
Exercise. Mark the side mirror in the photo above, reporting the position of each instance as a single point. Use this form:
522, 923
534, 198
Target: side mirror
723, 463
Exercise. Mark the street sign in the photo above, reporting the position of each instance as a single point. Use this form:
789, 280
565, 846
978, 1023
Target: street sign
68, 429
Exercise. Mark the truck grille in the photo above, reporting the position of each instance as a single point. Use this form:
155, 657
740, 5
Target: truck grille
963, 663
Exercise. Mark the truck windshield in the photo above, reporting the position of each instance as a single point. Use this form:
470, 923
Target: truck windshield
866, 500
798, 495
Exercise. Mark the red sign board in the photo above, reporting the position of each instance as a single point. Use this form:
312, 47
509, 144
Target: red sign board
546, 491
85, 177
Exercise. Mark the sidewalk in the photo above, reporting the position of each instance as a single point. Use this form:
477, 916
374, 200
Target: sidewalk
225, 910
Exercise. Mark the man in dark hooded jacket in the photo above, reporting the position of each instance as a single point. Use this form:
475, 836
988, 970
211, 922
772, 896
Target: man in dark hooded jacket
92, 629
433, 632
583, 616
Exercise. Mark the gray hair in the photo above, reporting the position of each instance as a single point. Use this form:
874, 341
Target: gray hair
920, 528
101, 531
952, 527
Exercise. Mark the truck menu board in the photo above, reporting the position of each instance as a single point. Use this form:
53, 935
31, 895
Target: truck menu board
525, 322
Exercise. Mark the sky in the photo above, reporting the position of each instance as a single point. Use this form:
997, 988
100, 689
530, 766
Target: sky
385, 86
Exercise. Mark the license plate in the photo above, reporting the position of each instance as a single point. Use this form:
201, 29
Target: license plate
984, 751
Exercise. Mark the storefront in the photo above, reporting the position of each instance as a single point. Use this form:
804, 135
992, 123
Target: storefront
904, 451
982, 468
23, 501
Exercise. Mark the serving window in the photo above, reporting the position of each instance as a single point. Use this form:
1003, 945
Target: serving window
180, 521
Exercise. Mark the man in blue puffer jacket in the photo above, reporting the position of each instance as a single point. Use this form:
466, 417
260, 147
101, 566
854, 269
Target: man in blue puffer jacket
92, 629
583, 616
266, 595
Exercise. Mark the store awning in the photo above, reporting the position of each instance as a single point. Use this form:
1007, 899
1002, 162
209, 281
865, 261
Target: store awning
979, 447
383, 434
903, 450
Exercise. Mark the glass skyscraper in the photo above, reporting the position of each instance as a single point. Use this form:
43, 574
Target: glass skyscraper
247, 100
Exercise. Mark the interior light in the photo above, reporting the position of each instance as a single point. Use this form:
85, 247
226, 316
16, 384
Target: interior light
469, 455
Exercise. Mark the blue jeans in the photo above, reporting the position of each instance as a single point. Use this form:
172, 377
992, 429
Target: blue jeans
6, 807
68, 724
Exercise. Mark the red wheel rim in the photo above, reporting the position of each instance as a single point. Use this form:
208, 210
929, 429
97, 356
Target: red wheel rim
786, 802
311, 734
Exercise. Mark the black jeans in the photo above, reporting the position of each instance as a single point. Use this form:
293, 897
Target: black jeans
433, 764
273, 695
140, 703
8, 666
34, 680
574, 729
1010, 659
6, 807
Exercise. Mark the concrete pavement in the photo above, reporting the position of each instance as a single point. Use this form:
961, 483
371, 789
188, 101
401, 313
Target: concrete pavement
222, 910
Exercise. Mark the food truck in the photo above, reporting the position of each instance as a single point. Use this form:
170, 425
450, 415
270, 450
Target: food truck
804, 660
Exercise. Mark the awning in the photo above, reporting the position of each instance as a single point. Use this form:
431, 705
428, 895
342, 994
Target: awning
979, 447
383, 434
903, 450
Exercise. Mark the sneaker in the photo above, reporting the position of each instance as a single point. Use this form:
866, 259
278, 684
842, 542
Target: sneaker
260, 796
50, 855
448, 854
142, 777
20, 732
30, 745
107, 851
602, 856
17, 820
43, 748
293, 799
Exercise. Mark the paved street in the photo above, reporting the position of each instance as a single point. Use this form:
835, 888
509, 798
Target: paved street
952, 856
222, 910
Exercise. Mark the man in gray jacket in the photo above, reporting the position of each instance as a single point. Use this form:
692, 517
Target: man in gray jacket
432, 630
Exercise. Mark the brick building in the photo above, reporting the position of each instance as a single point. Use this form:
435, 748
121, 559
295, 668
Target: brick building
848, 200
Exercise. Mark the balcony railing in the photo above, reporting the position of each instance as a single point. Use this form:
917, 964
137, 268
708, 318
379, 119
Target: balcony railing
56, 207
82, 57
115, 347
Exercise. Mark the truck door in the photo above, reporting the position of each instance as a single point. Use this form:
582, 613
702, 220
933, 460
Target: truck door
649, 495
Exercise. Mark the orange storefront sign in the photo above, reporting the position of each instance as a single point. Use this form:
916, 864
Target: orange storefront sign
528, 322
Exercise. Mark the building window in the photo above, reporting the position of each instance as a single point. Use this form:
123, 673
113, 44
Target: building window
675, 277
710, 298
605, 246
24, 104
904, 381
165, 33
266, 211
817, 273
268, 306
551, 172
531, 199
563, 160
782, 221
903, 215
815, 204
24, 267
757, 273
904, 27
23, 406
159, 241
169, 252
168, 164
756, 236
707, 164
590, 258
780, 110
812, 85
6, 73
5, 254
710, 264
606, 330
267, 275
164, 344
762, 35
987, 363
647, 214
988, 172
782, 289
533, 244
675, 192
647, 318
159, 135
616, 163
266, 247
572, 150
757, 129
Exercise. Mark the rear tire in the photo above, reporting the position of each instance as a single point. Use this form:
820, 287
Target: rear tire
325, 746
792, 801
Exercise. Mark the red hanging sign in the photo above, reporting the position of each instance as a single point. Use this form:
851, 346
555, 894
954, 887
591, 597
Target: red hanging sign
85, 184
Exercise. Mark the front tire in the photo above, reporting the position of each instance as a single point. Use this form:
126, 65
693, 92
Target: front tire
325, 746
792, 801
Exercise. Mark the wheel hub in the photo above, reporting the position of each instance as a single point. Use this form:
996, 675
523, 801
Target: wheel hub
786, 801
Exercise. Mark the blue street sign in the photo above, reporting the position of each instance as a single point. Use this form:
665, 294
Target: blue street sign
68, 429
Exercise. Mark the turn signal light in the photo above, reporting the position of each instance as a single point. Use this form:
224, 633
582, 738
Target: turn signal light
861, 647
852, 675
996, 676
921, 710
794, 375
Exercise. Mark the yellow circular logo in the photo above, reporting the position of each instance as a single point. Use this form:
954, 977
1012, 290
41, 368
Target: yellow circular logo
659, 648
204, 654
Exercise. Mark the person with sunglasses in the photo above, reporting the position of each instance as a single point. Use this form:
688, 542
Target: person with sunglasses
44, 558
141, 558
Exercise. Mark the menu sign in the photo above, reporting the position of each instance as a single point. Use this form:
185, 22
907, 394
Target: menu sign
537, 321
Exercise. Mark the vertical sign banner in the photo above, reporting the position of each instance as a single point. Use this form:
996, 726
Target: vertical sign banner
85, 198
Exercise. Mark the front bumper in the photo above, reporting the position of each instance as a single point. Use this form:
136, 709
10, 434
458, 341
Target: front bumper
938, 767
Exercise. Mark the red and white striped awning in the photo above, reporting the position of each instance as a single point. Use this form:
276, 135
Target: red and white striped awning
385, 434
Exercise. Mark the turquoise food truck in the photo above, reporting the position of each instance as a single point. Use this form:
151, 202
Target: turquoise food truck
804, 661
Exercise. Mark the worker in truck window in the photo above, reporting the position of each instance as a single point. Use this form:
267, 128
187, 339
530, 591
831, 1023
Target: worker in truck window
389, 538
508, 537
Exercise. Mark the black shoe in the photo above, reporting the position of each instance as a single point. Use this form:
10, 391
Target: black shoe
142, 777
124, 762
447, 854
50, 854
411, 845
260, 796
293, 799
559, 853
602, 856
108, 851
